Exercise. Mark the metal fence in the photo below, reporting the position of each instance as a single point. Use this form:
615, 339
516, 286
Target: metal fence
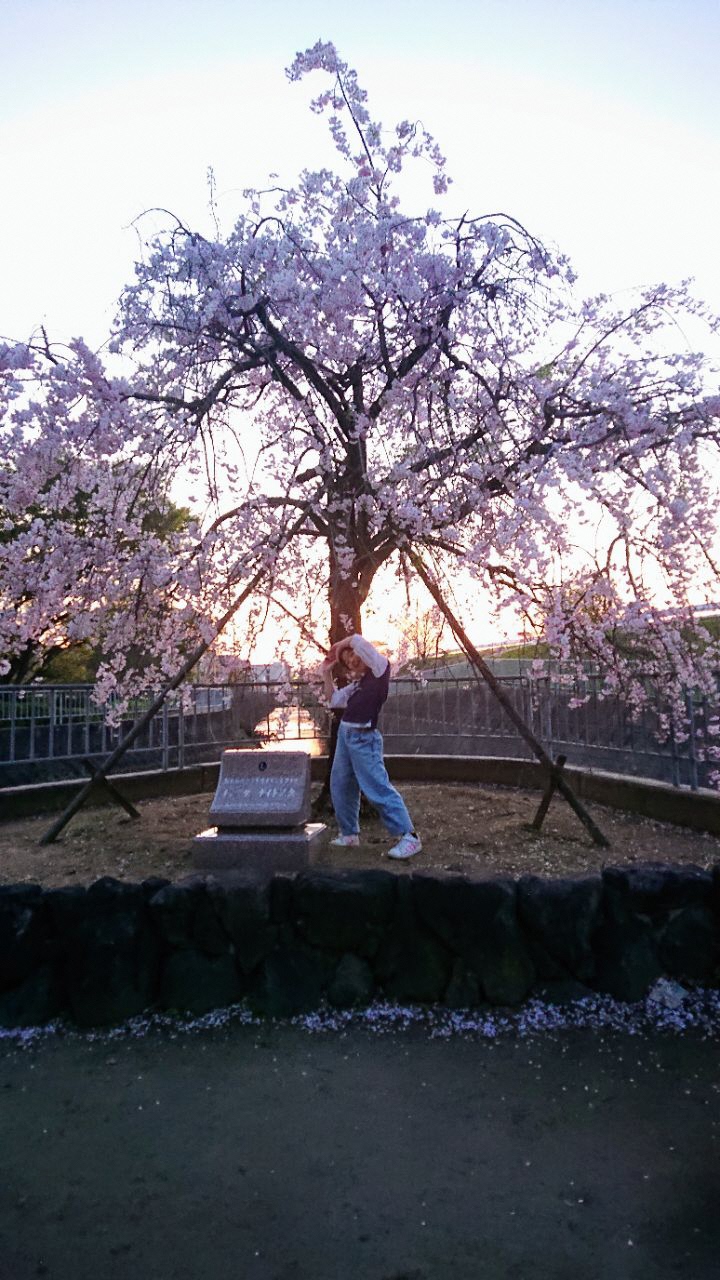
48, 731
464, 717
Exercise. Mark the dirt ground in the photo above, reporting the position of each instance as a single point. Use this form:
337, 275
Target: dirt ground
473, 829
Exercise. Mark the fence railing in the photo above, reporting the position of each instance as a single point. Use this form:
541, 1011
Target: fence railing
47, 731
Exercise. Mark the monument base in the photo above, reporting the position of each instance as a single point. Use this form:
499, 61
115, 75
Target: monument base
267, 851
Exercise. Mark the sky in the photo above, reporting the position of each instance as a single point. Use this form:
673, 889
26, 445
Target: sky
595, 124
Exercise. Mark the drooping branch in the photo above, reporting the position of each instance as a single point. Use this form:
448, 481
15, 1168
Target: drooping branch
181, 674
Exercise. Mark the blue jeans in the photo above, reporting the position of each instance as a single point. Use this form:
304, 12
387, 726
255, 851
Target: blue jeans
358, 766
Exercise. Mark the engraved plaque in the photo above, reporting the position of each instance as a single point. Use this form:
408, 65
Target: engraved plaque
262, 789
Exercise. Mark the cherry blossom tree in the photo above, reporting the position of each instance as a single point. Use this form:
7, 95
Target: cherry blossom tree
349, 381
420, 378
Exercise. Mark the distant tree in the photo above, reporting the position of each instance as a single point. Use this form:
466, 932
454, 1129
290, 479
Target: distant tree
421, 634
74, 664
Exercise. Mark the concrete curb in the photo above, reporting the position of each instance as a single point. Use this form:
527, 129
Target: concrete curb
699, 810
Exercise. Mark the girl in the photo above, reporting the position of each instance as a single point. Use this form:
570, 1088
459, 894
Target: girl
358, 764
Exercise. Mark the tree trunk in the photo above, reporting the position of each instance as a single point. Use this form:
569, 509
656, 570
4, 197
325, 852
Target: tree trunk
346, 599
345, 603
29, 664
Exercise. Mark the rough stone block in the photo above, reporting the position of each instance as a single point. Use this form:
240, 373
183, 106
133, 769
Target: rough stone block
108, 895
413, 966
23, 933
242, 904
344, 910
153, 885
462, 990
209, 933
292, 980
627, 961
281, 898
353, 983
411, 963
32, 1003
195, 983
109, 966
561, 917
173, 910
262, 789
689, 944
562, 992
546, 968
66, 907
477, 920
653, 889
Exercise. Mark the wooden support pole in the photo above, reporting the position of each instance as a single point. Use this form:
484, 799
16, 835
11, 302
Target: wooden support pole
54, 831
107, 785
523, 729
544, 805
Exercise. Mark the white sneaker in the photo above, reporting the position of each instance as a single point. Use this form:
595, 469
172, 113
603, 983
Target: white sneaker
346, 842
406, 847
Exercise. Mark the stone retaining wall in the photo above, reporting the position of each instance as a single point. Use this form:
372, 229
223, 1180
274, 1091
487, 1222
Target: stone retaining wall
99, 955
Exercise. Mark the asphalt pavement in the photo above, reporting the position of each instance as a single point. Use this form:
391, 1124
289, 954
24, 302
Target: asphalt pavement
272, 1153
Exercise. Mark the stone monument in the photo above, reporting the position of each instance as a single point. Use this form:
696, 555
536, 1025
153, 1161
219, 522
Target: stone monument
261, 810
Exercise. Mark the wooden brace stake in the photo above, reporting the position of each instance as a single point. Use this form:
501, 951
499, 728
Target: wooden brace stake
108, 786
101, 774
53, 831
483, 670
550, 789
